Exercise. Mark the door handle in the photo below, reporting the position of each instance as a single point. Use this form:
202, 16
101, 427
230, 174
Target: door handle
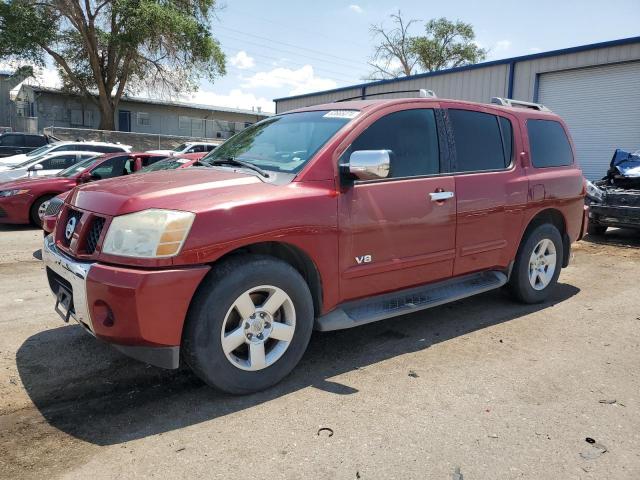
440, 196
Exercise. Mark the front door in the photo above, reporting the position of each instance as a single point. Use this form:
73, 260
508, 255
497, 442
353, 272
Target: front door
124, 120
396, 232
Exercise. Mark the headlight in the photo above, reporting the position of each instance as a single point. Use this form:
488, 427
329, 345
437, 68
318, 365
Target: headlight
11, 193
594, 192
148, 234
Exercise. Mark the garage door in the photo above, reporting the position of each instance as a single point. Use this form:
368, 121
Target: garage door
601, 105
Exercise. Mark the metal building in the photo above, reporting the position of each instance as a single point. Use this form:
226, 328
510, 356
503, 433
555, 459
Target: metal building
595, 88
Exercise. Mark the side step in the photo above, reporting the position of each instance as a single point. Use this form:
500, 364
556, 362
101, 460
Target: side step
360, 312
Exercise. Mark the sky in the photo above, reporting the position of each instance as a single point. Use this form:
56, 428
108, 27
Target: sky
284, 47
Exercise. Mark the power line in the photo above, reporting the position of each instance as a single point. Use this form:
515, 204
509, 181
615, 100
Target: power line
349, 61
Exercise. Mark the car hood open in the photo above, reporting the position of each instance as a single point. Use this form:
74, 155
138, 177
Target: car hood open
191, 189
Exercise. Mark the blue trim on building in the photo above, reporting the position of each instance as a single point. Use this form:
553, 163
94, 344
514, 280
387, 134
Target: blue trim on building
512, 76
552, 53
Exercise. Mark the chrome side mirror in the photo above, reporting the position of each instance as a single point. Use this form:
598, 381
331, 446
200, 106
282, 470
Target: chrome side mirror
370, 164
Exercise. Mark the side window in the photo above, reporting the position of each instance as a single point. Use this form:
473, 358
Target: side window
146, 161
113, 167
507, 139
13, 141
411, 136
60, 162
478, 141
34, 140
549, 144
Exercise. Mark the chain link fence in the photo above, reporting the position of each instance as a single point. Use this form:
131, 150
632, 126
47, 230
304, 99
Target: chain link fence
138, 141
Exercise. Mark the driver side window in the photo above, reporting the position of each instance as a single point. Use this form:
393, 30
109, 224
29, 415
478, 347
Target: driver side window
412, 138
113, 167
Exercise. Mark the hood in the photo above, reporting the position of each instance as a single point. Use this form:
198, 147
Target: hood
189, 189
13, 174
37, 182
13, 160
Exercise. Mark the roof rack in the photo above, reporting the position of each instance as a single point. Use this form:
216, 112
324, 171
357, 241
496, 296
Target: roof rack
510, 102
422, 93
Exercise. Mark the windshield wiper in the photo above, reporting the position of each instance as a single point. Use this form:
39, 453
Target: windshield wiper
239, 163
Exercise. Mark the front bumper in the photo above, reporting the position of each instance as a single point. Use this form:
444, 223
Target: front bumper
139, 312
612, 216
15, 209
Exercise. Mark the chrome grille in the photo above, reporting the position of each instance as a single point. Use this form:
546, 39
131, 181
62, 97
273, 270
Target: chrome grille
54, 207
94, 234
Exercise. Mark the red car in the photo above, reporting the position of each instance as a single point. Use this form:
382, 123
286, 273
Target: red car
327, 217
50, 210
23, 201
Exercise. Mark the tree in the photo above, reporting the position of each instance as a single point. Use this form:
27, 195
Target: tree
392, 56
447, 44
106, 48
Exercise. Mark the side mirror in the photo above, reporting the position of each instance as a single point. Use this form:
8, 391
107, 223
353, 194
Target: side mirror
370, 164
36, 167
85, 177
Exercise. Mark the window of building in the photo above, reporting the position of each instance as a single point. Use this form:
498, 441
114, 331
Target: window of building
143, 118
412, 138
184, 123
549, 144
76, 117
88, 118
478, 141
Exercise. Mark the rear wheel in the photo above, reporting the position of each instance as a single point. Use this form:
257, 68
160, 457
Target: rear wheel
39, 206
596, 229
537, 264
249, 324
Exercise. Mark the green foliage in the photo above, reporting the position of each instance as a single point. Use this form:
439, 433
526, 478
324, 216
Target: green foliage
447, 44
104, 49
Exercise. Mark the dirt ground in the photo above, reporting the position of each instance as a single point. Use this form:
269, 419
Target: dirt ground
484, 388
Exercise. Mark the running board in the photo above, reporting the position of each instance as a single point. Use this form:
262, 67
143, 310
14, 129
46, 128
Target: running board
360, 312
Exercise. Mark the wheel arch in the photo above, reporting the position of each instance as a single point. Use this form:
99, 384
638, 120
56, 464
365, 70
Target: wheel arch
554, 217
294, 256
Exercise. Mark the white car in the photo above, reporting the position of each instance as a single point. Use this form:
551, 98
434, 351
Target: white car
100, 147
188, 147
48, 164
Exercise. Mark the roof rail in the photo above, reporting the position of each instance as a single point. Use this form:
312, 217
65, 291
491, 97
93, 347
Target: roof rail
509, 102
422, 93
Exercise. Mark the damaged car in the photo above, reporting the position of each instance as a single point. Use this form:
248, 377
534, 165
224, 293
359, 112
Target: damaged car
614, 201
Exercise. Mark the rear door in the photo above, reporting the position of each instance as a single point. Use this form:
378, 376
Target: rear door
491, 188
393, 233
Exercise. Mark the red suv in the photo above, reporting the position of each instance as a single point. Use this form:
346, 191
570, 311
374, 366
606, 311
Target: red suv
328, 217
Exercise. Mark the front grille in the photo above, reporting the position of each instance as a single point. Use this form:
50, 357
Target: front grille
94, 234
54, 207
72, 214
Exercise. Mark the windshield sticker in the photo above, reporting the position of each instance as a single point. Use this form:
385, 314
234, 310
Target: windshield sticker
348, 114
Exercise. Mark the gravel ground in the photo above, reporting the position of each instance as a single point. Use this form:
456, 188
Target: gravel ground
484, 388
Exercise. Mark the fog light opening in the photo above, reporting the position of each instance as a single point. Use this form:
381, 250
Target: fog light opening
102, 313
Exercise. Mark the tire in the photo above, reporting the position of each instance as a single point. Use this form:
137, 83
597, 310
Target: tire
215, 313
33, 211
596, 229
533, 277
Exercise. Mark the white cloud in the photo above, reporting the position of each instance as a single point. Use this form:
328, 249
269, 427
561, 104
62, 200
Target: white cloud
236, 98
502, 45
356, 8
242, 60
302, 80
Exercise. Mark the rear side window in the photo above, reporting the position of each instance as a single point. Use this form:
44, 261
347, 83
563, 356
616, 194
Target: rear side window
60, 162
113, 167
13, 140
479, 141
34, 141
146, 161
412, 137
549, 144
103, 149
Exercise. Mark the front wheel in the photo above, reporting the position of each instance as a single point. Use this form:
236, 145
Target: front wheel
538, 263
249, 324
38, 208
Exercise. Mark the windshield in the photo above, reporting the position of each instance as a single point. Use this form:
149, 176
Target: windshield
180, 147
39, 150
166, 164
78, 167
283, 143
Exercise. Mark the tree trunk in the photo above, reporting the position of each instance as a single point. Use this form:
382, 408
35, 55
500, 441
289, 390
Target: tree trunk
107, 121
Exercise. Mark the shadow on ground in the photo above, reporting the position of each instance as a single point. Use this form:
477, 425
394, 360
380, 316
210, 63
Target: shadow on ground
88, 390
7, 227
621, 237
